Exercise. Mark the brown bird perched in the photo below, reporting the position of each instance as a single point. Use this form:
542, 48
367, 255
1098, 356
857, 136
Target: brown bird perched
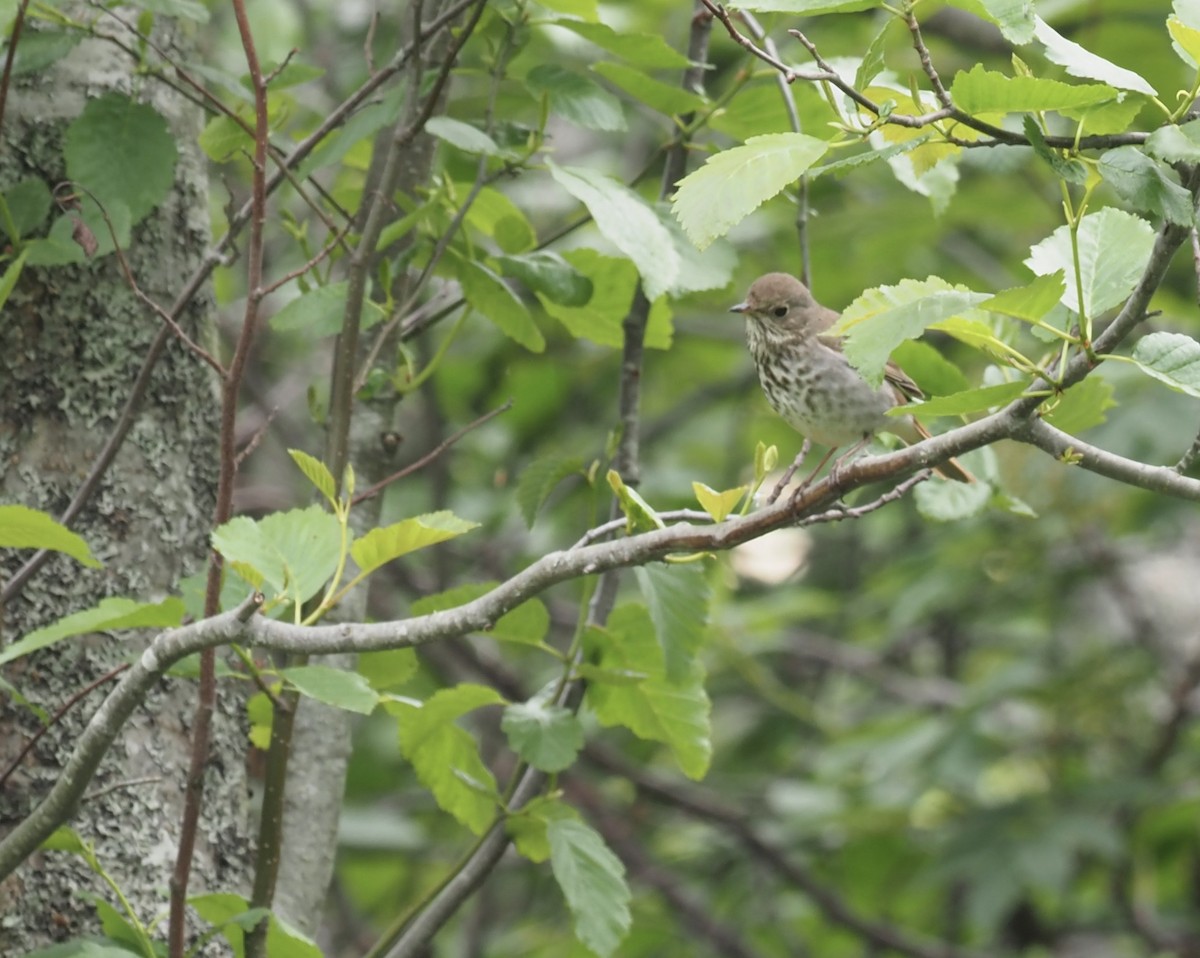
808, 380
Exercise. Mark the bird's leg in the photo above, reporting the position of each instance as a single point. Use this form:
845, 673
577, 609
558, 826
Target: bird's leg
791, 471
850, 453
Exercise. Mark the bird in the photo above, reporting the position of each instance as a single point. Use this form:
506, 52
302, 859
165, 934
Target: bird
808, 380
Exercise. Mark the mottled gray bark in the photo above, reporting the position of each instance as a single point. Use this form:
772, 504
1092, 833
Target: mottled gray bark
71, 342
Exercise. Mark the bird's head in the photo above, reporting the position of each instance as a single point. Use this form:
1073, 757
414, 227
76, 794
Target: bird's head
780, 301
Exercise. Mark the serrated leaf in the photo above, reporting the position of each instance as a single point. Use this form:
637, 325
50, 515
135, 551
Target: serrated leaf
966, 402
872, 63
732, 184
109, 615
951, 501
317, 312
445, 758
613, 283
1071, 170
677, 597
639, 49
1083, 63
121, 151
546, 736
1147, 185
984, 91
718, 504
1171, 358
316, 472
1082, 406
1114, 247
663, 97
296, 551
1176, 144
592, 880
540, 478
380, 546
25, 528
461, 135
387, 668
528, 827
880, 319
1030, 302
576, 98
550, 275
490, 296
642, 698
336, 687
627, 222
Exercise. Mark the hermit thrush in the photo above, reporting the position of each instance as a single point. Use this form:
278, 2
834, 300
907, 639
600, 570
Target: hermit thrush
809, 382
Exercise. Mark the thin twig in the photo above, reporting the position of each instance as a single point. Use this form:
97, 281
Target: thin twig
10, 55
430, 456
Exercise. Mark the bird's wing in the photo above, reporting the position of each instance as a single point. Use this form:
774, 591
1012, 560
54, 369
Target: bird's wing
902, 382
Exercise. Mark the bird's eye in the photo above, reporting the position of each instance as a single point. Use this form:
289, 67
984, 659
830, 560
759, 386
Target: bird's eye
780, 311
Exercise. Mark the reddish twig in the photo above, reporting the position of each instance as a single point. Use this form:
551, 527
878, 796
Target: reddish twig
56, 718
10, 55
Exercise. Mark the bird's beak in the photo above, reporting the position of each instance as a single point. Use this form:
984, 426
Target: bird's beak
740, 308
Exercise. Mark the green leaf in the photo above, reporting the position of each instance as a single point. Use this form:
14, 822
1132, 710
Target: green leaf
872, 63
732, 184
549, 274
546, 736
627, 222
490, 296
1186, 41
1071, 170
495, 215
540, 478
185, 9
663, 97
122, 152
639, 513
318, 312
577, 98
25, 528
1082, 406
808, 8
699, 270
929, 369
109, 615
592, 880
1015, 18
336, 687
39, 49
527, 828
316, 472
718, 504
677, 597
29, 204
638, 49
445, 758
968, 401
856, 160
629, 687
358, 129
296, 552
1085, 64
81, 947
260, 711
880, 319
8, 283
613, 283
461, 135
65, 839
380, 546
983, 91
951, 501
1176, 144
1031, 302
1147, 185
1171, 358
233, 916
1114, 247
387, 668
62, 244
